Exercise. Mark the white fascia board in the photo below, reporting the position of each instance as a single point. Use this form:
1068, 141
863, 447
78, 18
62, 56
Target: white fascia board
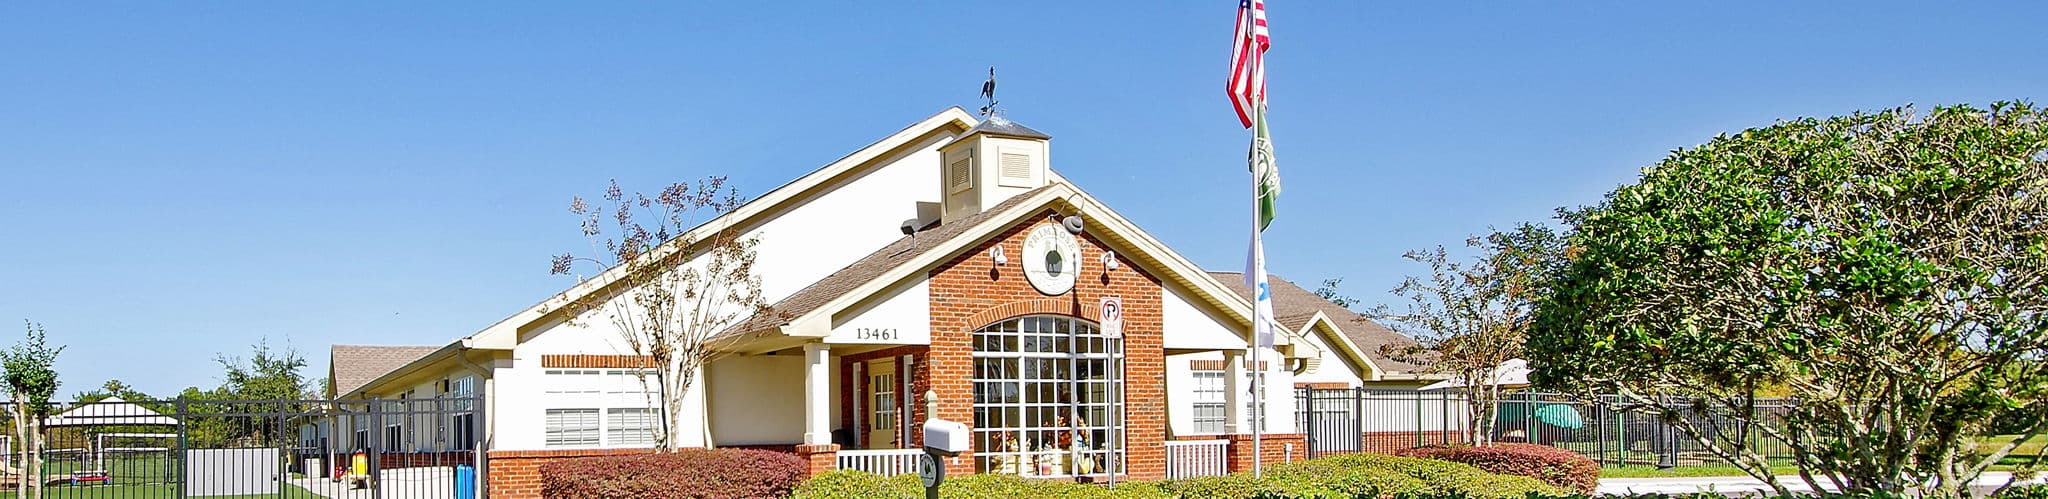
1335, 336
504, 334
1187, 273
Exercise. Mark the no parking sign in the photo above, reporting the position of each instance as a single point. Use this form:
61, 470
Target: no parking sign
1113, 316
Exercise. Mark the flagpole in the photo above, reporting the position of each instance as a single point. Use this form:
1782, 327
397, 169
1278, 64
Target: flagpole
1258, 99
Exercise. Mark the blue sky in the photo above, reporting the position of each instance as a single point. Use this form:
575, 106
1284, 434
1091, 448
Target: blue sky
183, 179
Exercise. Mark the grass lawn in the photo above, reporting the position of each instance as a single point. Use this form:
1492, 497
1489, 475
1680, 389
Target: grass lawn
2021, 455
154, 491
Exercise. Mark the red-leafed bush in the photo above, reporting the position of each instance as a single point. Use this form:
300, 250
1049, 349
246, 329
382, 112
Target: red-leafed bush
1558, 467
688, 473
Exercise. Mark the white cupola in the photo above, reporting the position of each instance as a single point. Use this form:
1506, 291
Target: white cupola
990, 163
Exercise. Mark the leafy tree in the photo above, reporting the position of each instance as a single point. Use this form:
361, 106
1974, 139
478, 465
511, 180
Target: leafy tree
1329, 292
31, 377
266, 382
677, 285
1887, 269
1470, 317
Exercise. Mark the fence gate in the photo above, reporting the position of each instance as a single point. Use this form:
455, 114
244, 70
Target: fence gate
369, 449
1329, 419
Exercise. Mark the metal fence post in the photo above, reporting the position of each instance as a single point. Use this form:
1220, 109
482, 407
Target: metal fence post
184, 443
375, 454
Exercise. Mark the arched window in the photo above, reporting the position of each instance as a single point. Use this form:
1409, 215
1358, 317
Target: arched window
1047, 398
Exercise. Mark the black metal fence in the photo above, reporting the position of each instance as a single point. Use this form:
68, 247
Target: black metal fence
1383, 420
369, 449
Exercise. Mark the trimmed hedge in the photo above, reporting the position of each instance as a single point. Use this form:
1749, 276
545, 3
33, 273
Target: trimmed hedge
1558, 467
1345, 476
850, 484
687, 473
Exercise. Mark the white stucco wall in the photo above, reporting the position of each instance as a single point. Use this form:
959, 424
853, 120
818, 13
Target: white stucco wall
902, 316
1180, 397
827, 231
761, 399
1334, 369
1191, 327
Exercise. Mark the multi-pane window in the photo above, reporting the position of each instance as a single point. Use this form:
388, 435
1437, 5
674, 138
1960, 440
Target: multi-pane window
1208, 410
462, 425
572, 427
883, 396
601, 407
630, 426
1047, 398
574, 381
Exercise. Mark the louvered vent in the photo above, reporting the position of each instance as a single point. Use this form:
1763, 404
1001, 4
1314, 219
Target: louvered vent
1016, 166
957, 173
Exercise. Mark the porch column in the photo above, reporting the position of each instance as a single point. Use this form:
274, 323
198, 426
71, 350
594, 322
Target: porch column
817, 394
1233, 391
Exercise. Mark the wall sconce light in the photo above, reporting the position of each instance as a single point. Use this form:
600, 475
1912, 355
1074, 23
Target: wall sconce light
997, 254
1109, 260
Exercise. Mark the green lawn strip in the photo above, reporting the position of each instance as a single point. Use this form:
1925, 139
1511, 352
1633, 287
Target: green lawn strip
1687, 471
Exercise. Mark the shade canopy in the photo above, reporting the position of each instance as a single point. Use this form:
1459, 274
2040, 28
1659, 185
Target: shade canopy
111, 411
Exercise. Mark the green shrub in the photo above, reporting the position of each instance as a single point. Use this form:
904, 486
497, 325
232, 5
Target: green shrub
848, 484
2025, 492
1244, 486
1437, 477
1337, 477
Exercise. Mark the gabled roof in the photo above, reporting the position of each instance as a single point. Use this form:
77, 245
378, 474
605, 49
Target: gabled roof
109, 411
1294, 307
808, 312
862, 271
356, 365
505, 333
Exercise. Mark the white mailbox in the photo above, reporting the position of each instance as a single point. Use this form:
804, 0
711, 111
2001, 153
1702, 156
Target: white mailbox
946, 438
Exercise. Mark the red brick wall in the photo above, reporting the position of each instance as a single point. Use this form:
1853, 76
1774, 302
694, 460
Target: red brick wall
1275, 446
515, 474
848, 392
971, 291
1389, 441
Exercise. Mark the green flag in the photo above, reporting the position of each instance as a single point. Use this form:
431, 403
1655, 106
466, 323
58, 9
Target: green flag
1266, 170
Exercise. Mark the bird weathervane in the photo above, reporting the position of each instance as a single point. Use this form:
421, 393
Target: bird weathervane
988, 91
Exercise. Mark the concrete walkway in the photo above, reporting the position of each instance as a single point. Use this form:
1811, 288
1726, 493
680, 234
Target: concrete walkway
1743, 485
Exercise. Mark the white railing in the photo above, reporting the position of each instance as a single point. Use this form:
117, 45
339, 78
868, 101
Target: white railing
885, 462
1192, 458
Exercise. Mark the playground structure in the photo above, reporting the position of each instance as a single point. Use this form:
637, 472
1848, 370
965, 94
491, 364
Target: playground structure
109, 441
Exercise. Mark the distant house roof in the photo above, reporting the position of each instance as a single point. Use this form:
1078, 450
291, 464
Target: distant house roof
109, 411
353, 366
1293, 307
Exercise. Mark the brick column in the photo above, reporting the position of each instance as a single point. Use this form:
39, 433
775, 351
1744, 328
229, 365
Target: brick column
819, 458
1276, 449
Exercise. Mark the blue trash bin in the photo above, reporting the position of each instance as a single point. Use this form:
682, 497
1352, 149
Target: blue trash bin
465, 481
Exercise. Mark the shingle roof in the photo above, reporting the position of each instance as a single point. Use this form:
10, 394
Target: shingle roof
1294, 306
868, 268
358, 365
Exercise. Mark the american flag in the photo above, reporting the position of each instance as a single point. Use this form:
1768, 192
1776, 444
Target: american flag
1248, 59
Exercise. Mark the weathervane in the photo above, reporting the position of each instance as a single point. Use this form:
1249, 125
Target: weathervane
988, 91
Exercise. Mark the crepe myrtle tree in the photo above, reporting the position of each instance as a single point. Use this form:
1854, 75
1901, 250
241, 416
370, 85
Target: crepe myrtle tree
1889, 270
31, 377
1470, 316
670, 285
